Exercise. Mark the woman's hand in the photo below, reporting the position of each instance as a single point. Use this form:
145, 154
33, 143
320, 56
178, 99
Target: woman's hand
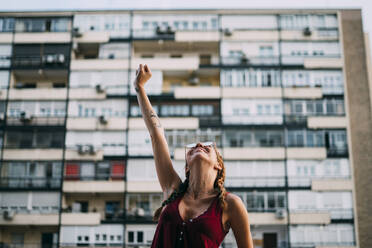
143, 74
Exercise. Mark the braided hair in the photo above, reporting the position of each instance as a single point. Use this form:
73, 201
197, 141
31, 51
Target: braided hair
218, 185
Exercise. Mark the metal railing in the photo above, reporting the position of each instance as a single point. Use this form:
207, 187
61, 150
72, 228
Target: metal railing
255, 181
250, 60
30, 183
36, 120
44, 61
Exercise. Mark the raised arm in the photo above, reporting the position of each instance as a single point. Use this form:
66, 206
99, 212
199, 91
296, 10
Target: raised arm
168, 177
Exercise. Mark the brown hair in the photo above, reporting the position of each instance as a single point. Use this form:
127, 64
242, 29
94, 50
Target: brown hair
218, 185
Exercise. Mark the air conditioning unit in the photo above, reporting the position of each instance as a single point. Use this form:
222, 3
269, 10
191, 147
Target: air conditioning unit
227, 32
139, 212
280, 213
92, 150
50, 58
307, 31
76, 33
25, 117
83, 149
103, 119
8, 215
60, 58
99, 88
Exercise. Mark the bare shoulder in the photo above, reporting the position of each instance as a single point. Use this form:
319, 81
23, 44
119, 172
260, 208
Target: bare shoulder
234, 203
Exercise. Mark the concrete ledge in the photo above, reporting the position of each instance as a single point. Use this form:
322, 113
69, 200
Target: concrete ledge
99, 64
310, 218
323, 63
326, 122
33, 154
306, 153
3, 94
23, 219
184, 63
86, 93
197, 36
332, 185
197, 93
74, 155
269, 92
80, 219
266, 219
248, 35
93, 186
167, 123
144, 186
6, 38
38, 94
93, 37
42, 37
114, 123
303, 92
253, 153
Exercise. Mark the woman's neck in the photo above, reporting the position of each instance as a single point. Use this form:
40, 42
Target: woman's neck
201, 182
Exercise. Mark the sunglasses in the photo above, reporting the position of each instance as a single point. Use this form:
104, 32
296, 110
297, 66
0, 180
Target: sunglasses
193, 145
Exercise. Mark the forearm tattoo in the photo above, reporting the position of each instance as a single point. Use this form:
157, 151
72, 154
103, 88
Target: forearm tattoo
155, 120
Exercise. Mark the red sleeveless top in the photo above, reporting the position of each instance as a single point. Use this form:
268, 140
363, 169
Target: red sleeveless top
206, 230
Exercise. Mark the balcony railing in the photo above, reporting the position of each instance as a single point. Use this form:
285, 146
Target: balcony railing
299, 60
44, 61
28, 245
336, 213
250, 60
296, 120
320, 243
153, 33
298, 181
5, 61
30, 183
253, 119
340, 151
36, 120
255, 181
101, 177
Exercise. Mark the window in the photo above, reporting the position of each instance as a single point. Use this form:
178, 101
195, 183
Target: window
139, 237
130, 237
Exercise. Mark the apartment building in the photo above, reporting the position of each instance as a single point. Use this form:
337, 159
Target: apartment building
283, 93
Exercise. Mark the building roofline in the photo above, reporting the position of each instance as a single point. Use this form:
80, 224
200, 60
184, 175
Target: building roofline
67, 12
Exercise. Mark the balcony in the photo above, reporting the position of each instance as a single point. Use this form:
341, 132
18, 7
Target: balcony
92, 185
332, 184
46, 61
303, 92
14, 218
32, 154
144, 186
5, 61
253, 153
42, 37
38, 94
338, 214
168, 63
35, 121
167, 123
296, 120
315, 122
329, 61
197, 36
251, 92
197, 93
310, 217
154, 34
99, 64
86, 219
255, 182
252, 119
267, 218
306, 153
244, 61
30, 183
98, 123
251, 35
324, 34
84, 152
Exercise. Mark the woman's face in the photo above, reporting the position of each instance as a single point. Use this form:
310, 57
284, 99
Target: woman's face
200, 152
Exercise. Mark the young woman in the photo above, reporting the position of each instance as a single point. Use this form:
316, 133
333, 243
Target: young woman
197, 212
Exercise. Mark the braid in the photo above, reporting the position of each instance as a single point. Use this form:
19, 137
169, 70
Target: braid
175, 194
219, 182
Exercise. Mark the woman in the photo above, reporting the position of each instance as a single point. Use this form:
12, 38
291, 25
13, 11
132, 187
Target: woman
197, 212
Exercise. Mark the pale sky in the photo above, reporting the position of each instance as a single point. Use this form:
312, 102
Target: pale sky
18, 5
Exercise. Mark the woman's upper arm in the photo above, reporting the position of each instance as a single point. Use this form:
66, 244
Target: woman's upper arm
239, 221
168, 178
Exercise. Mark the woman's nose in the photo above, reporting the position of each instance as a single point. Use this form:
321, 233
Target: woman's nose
199, 144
